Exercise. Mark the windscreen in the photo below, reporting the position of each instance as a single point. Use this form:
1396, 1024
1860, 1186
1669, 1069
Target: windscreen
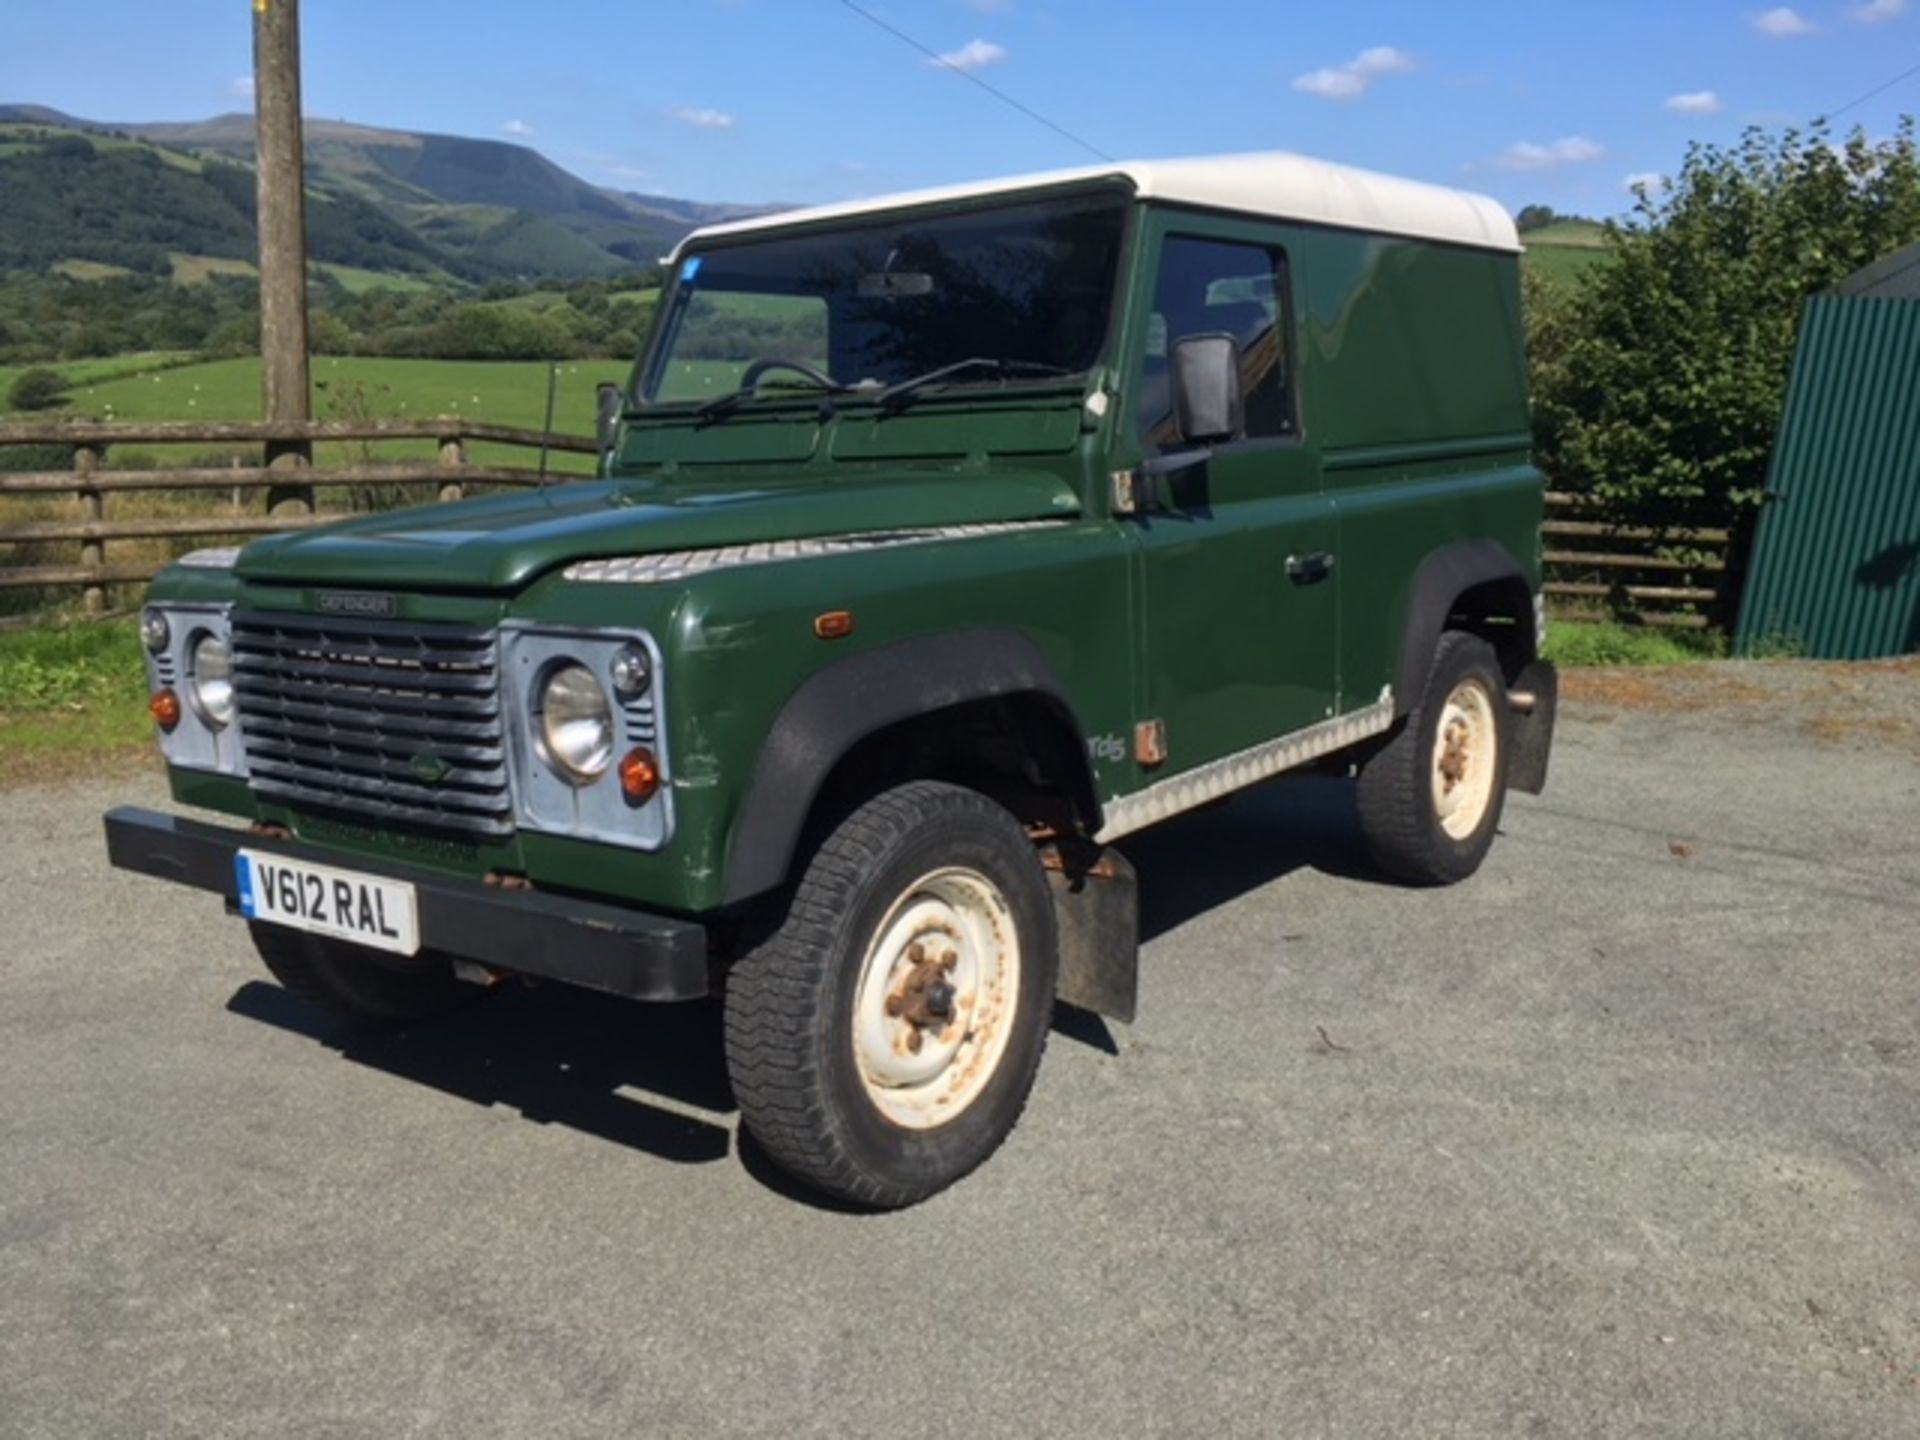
875, 303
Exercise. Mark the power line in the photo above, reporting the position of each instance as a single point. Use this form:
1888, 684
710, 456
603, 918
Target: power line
966, 74
1877, 90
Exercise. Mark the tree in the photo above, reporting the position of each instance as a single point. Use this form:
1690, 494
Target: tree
37, 389
1535, 217
1659, 381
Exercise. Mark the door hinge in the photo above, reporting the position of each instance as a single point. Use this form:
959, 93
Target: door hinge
1126, 493
1150, 742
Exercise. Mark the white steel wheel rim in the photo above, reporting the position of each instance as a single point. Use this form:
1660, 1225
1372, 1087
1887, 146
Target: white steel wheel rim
1465, 751
925, 1055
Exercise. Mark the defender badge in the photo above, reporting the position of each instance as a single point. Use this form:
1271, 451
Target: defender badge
361, 604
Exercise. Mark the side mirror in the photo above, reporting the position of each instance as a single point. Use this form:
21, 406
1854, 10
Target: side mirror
1206, 389
612, 400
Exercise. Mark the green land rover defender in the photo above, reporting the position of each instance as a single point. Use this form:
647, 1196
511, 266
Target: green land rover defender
939, 542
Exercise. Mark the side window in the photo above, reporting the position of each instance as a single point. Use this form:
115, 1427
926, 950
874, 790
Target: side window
1212, 287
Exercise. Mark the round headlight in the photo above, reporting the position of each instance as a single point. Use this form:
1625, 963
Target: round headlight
632, 672
210, 681
155, 632
576, 723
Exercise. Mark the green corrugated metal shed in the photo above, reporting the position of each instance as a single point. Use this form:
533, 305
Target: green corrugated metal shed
1835, 572
1895, 278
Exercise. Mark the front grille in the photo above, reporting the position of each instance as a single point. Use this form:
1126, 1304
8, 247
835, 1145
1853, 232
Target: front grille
399, 723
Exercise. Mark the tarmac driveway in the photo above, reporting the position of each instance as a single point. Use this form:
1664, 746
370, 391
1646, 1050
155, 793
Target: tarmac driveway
1619, 1138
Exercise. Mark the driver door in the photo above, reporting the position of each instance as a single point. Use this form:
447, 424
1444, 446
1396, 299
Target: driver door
1232, 560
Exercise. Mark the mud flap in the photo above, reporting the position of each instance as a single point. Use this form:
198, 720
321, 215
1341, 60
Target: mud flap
1532, 728
1096, 906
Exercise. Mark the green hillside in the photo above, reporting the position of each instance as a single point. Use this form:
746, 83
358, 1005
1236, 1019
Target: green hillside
388, 201
72, 196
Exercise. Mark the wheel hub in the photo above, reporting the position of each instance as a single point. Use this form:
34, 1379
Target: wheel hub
1453, 754
1465, 756
925, 999
936, 997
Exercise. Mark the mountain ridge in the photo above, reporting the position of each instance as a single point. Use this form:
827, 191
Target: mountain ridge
485, 207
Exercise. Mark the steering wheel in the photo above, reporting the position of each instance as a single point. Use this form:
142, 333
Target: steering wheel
750, 377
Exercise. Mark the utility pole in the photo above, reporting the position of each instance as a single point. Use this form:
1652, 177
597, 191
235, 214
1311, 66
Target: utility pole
281, 166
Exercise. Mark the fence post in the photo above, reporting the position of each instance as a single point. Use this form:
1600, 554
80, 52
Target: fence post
281, 203
93, 552
453, 455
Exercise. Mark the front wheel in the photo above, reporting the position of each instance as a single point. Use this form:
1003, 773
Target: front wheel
883, 1040
1430, 798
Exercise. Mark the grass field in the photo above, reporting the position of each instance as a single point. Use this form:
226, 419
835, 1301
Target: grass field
91, 372
1561, 253
498, 393
197, 269
358, 281
90, 270
70, 695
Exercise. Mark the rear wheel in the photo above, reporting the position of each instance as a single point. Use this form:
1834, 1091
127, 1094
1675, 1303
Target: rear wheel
883, 1040
1430, 799
366, 987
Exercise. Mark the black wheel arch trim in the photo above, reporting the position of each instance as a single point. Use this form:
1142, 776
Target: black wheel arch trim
846, 702
1443, 577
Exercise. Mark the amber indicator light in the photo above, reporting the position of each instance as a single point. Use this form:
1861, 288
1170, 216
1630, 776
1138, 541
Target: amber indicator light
834, 625
639, 775
165, 709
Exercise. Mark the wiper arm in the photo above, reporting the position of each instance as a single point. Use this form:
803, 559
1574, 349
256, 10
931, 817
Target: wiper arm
894, 394
722, 406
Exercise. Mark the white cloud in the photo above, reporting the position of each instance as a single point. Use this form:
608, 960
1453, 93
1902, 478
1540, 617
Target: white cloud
1695, 102
519, 129
1353, 79
1650, 180
1782, 22
1528, 155
628, 172
241, 87
1878, 12
702, 118
974, 55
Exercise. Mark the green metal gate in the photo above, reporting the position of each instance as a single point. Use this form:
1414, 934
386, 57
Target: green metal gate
1835, 572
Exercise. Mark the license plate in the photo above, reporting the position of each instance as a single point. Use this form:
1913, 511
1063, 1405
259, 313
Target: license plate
366, 909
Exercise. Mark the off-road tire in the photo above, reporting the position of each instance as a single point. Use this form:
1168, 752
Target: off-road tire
358, 985
790, 1000
1399, 817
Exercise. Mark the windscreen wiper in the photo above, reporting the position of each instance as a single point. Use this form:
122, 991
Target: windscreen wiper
721, 406
894, 394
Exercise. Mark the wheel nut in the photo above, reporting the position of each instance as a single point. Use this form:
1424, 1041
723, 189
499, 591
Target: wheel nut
940, 1000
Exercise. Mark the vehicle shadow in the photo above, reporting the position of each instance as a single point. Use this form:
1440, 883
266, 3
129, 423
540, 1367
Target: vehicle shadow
652, 1078
560, 1056
1214, 856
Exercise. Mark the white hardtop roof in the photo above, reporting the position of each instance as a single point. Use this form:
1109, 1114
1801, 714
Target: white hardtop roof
1275, 184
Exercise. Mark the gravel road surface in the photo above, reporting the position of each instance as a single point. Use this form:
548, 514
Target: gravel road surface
1619, 1138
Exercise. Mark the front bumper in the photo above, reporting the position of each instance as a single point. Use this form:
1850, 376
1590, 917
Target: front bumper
528, 932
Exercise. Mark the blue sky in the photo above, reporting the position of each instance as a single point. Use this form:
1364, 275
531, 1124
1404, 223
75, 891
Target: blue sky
1555, 100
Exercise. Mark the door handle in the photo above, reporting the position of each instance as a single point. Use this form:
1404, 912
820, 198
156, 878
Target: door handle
1307, 569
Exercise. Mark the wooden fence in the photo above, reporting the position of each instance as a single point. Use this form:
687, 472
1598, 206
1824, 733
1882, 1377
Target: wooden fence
1595, 568
1598, 570
286, 486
